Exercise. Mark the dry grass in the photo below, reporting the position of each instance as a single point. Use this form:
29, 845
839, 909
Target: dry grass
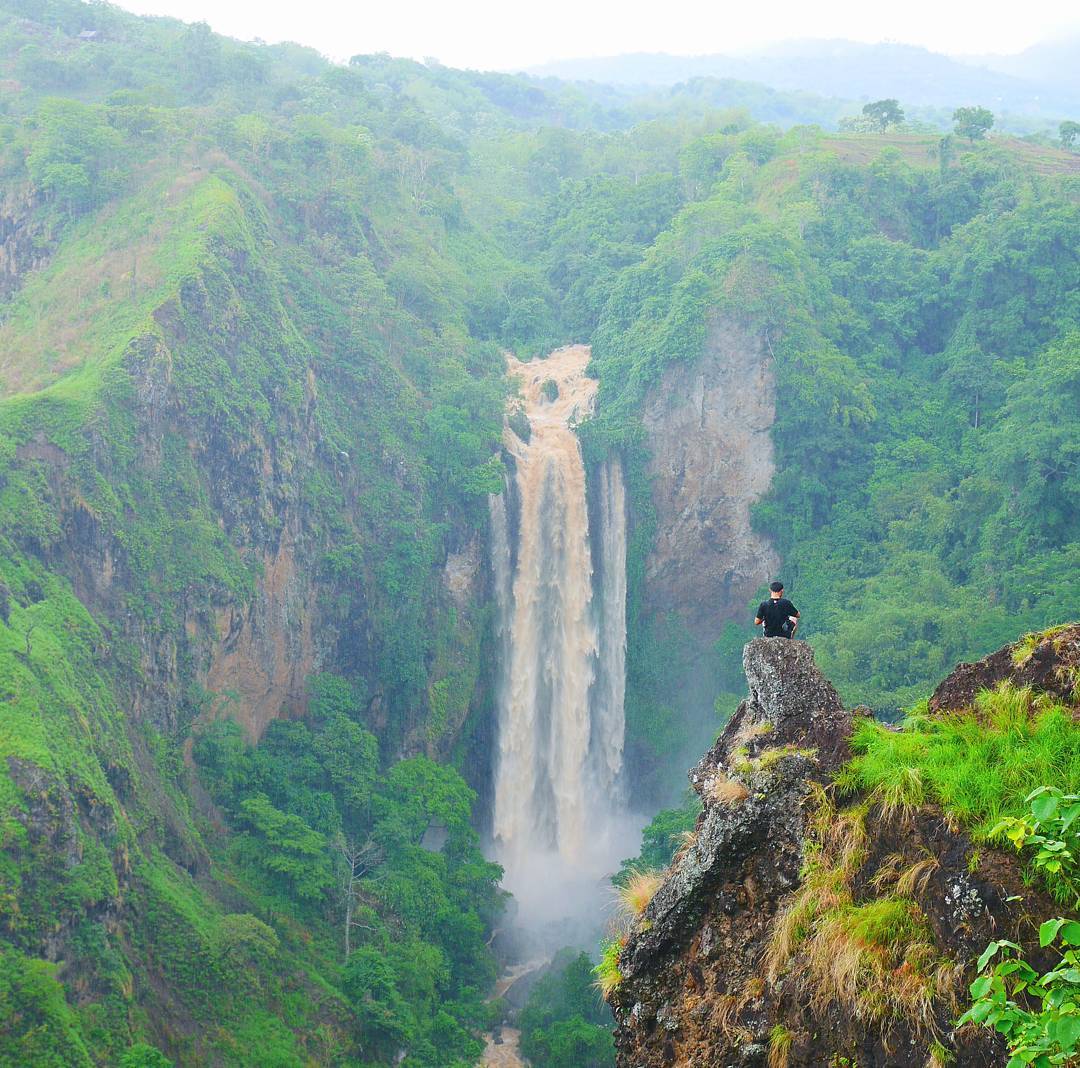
908, 879
726, 1008
938, 1056
730, 1006
725, 791
769, 758
758, 730
634, 895
850, 840
876, 957
950, 822
686, 841
823, 888
752, 989
836, 850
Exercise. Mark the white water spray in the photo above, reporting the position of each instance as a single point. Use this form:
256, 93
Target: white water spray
559, 828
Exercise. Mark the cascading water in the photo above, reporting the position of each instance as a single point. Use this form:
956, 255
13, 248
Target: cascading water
610, 691
558, 825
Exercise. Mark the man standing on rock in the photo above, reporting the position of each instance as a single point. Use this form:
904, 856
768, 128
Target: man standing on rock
778, 614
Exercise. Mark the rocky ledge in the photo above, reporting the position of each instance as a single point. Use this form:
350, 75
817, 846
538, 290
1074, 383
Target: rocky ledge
751, 951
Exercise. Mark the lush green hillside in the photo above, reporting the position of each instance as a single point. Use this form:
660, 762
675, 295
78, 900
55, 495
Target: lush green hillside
252, 394
923, 320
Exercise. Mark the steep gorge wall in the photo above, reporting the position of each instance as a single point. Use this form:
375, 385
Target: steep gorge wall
193, 538
216, 415
707, 426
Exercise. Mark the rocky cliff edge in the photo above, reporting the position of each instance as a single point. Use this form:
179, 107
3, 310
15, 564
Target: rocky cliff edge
759, 947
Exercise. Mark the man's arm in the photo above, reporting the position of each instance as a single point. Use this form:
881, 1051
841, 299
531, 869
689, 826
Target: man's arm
758, 620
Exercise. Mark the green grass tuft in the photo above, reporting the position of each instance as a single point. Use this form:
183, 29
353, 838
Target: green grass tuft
1025, 648
780, 1040
608, 976
979, 764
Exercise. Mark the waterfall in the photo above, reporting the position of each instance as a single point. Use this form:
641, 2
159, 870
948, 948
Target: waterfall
502, 576
608, 723
562, 646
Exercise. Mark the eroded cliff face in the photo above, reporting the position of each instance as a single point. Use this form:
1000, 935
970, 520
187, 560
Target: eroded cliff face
249, 646
21, 237
720, 964
250, 650
707, 425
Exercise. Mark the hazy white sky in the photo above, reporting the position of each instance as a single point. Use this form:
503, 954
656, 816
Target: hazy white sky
495, 35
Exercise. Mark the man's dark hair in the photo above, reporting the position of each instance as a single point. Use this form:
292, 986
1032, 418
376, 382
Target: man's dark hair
776, 587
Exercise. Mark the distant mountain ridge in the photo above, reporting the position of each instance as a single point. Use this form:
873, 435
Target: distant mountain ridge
1056, 61
1040, 82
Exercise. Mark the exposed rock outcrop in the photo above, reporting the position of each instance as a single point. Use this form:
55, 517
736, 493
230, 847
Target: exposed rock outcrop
708, 426
714, 975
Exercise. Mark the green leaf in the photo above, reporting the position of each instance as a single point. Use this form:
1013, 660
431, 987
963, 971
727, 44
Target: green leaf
987, 953
1070, 933
977, 1013
1068, 816
981, 986
1048, 931
1065, 1031
1039, 793
1042, 808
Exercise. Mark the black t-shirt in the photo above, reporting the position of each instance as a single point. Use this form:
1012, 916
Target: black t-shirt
775, 614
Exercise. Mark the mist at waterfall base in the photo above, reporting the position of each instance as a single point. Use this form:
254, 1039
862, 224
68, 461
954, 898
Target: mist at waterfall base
560, 821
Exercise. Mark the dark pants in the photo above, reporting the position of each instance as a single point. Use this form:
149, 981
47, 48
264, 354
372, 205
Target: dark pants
786, 631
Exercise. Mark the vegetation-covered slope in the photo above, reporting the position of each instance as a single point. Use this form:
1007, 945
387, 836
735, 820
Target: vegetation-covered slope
252, 397
922, 320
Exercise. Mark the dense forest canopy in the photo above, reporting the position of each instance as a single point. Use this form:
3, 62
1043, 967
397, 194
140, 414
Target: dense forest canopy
253, 299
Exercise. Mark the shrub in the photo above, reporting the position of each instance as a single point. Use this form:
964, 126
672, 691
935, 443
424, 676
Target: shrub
608, 976
1039, 1015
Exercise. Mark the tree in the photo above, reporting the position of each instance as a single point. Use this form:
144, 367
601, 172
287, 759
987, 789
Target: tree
296, 857
885, 113
200, 48
1069, 132
357, 861
1035, 446
75, 154
382, 1016
563, 1023
244, 949
973, 123
254, 131
142, 1055
350, 756
37, 1026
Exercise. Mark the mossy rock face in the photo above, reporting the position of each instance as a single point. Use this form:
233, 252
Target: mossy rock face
518, 422
1048, 661
550, 390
